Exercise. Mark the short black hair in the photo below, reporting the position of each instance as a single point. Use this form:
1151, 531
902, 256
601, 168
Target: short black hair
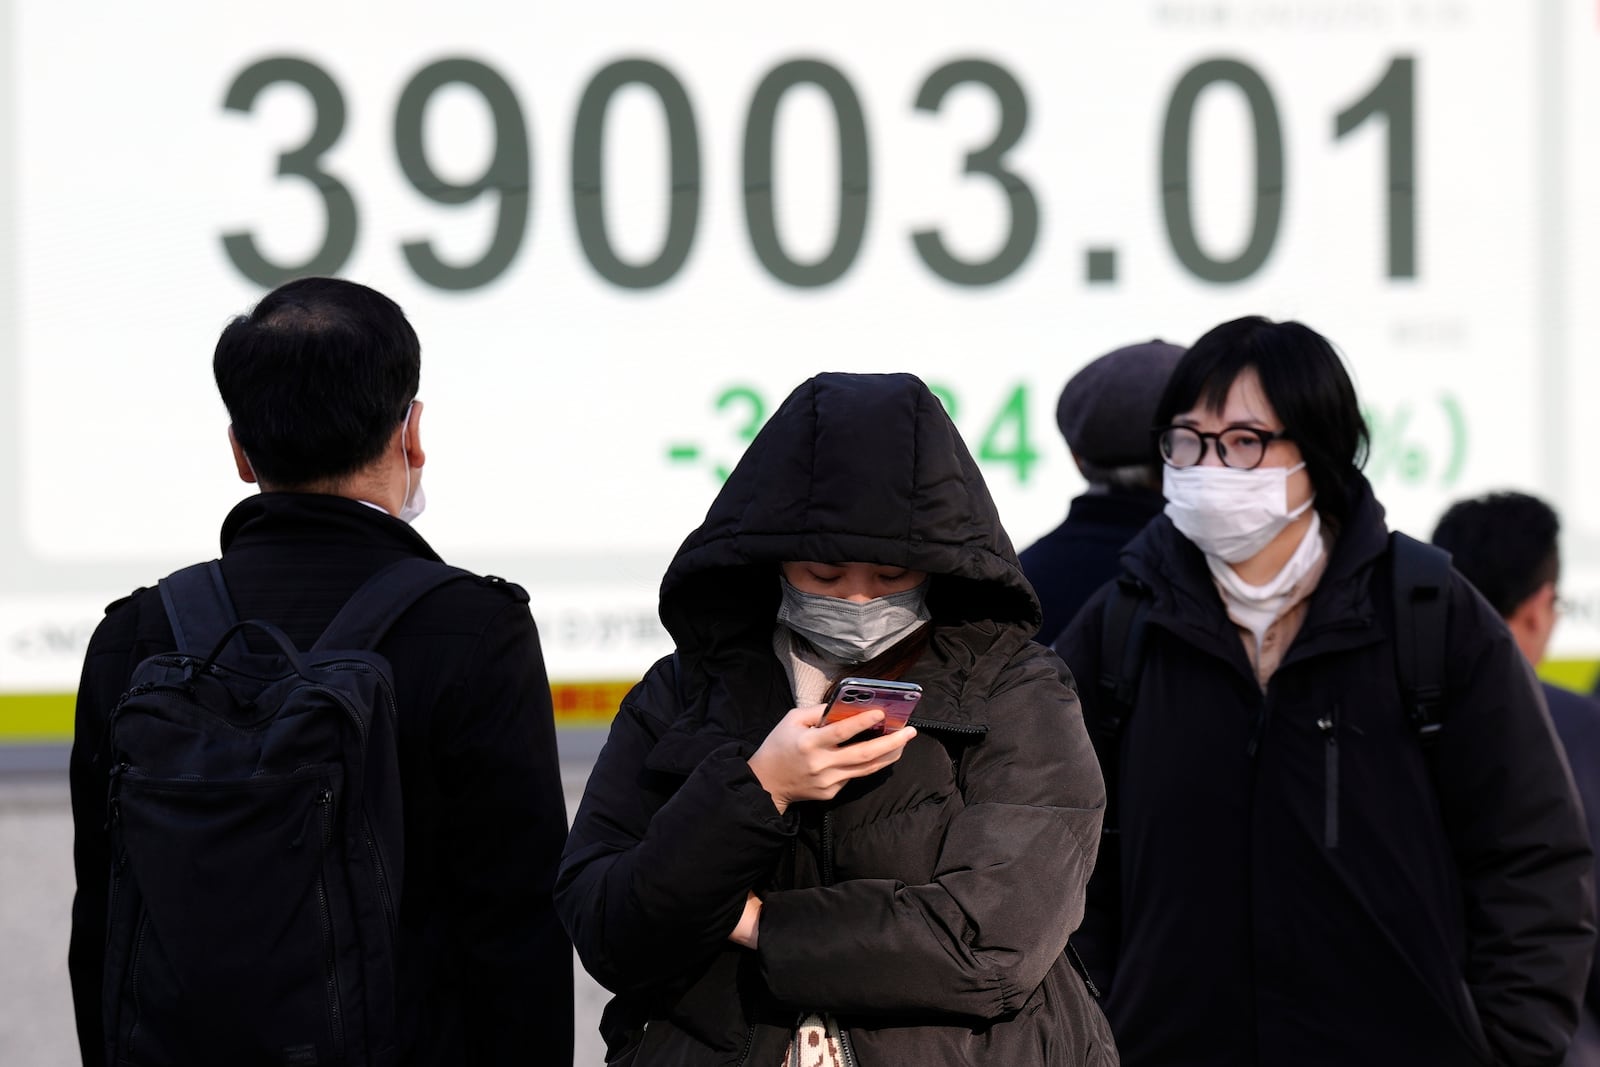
316, 379
1504, 543
1305, 381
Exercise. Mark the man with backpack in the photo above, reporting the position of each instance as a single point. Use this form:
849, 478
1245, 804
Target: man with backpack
327, 832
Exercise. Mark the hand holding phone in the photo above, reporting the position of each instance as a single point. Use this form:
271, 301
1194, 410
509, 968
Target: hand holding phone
852, 696
805, 760
802, 759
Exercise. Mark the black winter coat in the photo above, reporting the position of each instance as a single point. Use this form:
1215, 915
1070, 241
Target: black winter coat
485, 968
927, 906
1297, 885
1067, 565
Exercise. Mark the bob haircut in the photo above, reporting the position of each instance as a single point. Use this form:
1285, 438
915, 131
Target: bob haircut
1305, 382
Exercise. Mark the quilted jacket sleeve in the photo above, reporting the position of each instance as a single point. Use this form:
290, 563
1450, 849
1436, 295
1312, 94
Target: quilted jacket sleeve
1008, 887
657, 868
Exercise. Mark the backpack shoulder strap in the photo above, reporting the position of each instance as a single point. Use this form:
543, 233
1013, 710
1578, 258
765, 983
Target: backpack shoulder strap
198, 607
1421, 580
1121, 661
382, 599
1122, 646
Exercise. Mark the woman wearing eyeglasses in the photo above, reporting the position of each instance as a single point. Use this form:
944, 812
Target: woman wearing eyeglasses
1297, 876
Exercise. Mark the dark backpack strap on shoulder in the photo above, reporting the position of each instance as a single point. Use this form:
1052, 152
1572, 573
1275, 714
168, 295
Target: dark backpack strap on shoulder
1421, 580
198, 606
1122, 646
1121, 662
382, 599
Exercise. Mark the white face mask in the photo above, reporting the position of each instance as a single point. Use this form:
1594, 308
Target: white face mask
851, 632
1230, 514
415, 499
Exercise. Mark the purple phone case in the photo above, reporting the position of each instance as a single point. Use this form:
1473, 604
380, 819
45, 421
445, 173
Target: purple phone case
897, 700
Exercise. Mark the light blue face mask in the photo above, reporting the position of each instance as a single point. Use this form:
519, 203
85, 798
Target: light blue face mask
851, 632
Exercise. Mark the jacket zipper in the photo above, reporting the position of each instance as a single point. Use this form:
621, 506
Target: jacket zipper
970, 729
827, 848
1329, 725
1258, 728
335, 1016
1083, 971
749, 1044
846, 1049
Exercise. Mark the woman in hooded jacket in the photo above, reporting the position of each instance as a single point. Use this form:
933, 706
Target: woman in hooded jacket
755, 891
1357, 870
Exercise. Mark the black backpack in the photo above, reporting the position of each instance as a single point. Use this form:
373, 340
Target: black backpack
256, 836
1421, 581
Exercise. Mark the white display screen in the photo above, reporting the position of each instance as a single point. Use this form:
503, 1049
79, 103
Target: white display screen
625, 232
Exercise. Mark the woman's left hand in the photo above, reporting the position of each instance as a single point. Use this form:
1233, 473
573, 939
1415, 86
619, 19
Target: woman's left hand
748, 926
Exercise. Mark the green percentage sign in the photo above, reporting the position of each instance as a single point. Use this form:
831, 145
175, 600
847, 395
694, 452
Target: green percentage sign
1394, 449
1457, 422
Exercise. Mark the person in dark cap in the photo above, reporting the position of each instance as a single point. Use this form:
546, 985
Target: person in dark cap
1106, 412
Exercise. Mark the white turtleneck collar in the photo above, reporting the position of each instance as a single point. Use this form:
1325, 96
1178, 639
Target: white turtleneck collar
1257, 607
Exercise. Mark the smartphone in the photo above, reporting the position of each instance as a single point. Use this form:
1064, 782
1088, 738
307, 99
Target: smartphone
852, 696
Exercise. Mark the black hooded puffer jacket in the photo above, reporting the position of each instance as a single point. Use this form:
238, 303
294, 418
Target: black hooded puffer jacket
927, 906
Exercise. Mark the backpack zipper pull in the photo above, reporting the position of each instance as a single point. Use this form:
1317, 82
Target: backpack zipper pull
322, 797
113, 802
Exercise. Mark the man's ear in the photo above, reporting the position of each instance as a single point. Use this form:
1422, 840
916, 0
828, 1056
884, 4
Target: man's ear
413, 438
240, 460
1533, 621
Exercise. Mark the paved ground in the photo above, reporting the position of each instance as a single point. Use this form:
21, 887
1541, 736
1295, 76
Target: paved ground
36, 886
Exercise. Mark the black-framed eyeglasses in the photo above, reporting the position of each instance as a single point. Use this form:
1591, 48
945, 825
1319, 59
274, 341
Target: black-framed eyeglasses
1240, 447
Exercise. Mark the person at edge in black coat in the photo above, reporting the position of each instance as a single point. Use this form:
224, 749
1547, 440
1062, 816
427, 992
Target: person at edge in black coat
756, 891
1105, 414
1298, 879
1506, 544
320, 381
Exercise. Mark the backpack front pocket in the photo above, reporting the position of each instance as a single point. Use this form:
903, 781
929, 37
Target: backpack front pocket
239, 931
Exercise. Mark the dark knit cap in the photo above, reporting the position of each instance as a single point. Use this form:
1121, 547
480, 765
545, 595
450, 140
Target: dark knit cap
1107, 409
